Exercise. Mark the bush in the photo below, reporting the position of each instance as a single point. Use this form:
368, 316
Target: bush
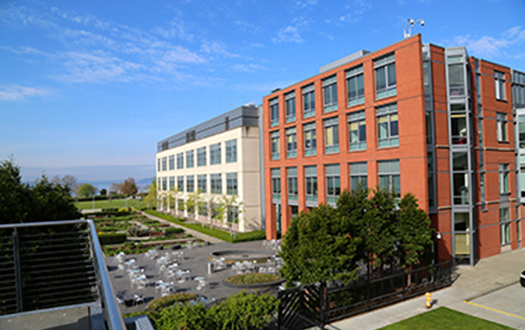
137, 231
253, 278
107, 228
171, 300
173, 230
112, 238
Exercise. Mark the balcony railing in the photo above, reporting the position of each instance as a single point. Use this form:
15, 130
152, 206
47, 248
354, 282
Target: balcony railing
55, 264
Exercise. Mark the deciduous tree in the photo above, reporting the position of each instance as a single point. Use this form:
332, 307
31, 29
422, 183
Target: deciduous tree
129, 187
86, 190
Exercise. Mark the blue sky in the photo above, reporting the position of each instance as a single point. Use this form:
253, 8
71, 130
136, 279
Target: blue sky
89, 87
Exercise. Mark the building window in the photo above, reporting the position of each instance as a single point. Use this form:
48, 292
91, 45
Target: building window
274, 112
159, 183
504, 178
387, 126
289, 102
215, 154
159, 167
310, 177
333, 183
180, 183
499, 84
190, 183
231, 151
458, 122
358, 176
231, 184
357, 130
308, 101
385, 70
291, 143
504, 219
521, 131
172, 162
501, 122
201, 156
389, 177
276, 183
275, 144
164, 184
172, 183
431, 176
331, 135
460, 178
190, 160
310, 139
180, 160
518, 88
164, 164
291, 177
330, 94
203, 209
216, 183
456, 75
201, 183
355, 86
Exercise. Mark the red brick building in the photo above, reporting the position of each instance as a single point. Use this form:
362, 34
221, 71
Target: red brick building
412, 117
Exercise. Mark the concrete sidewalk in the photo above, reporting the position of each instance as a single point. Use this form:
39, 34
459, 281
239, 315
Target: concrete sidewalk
490, 290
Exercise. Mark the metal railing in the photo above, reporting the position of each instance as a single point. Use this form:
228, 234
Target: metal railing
54, 264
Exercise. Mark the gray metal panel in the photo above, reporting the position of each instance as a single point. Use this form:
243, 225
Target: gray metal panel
344, 60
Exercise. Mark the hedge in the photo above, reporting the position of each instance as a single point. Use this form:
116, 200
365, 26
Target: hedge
112, 238
220, 234
173, 230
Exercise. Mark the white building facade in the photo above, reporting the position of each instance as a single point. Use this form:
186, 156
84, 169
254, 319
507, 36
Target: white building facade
214, 167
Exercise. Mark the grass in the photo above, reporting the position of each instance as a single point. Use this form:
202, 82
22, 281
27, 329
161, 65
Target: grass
220, 234
253, 278
107, 204
171, 299
443, 318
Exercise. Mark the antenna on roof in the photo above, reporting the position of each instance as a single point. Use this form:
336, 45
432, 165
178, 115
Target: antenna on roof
411, 22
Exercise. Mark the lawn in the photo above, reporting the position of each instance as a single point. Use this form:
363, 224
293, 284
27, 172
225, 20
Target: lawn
108, 204
443, 318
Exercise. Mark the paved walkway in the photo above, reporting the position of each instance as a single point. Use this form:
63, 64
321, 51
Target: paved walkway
490, 290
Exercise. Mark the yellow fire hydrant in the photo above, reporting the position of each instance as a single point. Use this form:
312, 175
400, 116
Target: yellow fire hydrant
428, 300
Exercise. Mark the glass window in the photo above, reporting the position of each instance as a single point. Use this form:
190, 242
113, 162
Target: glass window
333, 183
180, 183
310, 139
522, 176
201, 156
202, 183
190, 160
504, 178
389, 176
231, 151
172, 162
431, 176
276, 183
231, 183
355, 86
291, 143
291, 177
387, 125
499, 83
274, 112
330, 94
216, 183
310, 175
164, 184
521, 130
501, 122
289, 102
456, 75
460, 178
358, 175
190, 183
203, 209
385, 72
163, 163
180, 160
308, 101
172, 183
275, 143
159, 167
459, 128
357, 130
215, 154
331, 135
461, 234
504, 219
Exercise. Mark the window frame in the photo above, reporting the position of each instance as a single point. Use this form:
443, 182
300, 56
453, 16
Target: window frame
501, 127
216, 183
201, 156
180, 183
503, 173
388, 111
231, 151
308, 93
292, 184
333, 182
499, 85
180, 160
190, 158
291, 142
190, 183
311, 184
275, 145
202, 183
164, 167
391, 170
386, 64
330, 102
215, 153
310, 143
504, 219
276, 183
358, 172
355, 78
232, 187
357, 118
331, 127
171, 162
274, 112
290, 106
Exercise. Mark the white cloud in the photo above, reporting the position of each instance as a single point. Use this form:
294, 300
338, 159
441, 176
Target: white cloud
488, 46
20, 93
288, 34
302, 4
216, 47
251, 68
354, 12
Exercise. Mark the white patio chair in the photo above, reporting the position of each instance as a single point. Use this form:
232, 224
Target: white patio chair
202, 285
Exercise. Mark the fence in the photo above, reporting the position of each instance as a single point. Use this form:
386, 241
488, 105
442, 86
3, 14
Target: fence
318, 304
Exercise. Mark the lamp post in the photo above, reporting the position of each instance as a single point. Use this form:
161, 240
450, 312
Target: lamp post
409, 25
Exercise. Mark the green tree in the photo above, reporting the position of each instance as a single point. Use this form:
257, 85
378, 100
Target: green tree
415, 235
151, 197
228, 210
129, 187
15, 196
51, 202
103, 192
86, 190
68, 182
318, 247
192, 202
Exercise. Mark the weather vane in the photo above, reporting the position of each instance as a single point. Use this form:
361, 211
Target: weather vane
411, 22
